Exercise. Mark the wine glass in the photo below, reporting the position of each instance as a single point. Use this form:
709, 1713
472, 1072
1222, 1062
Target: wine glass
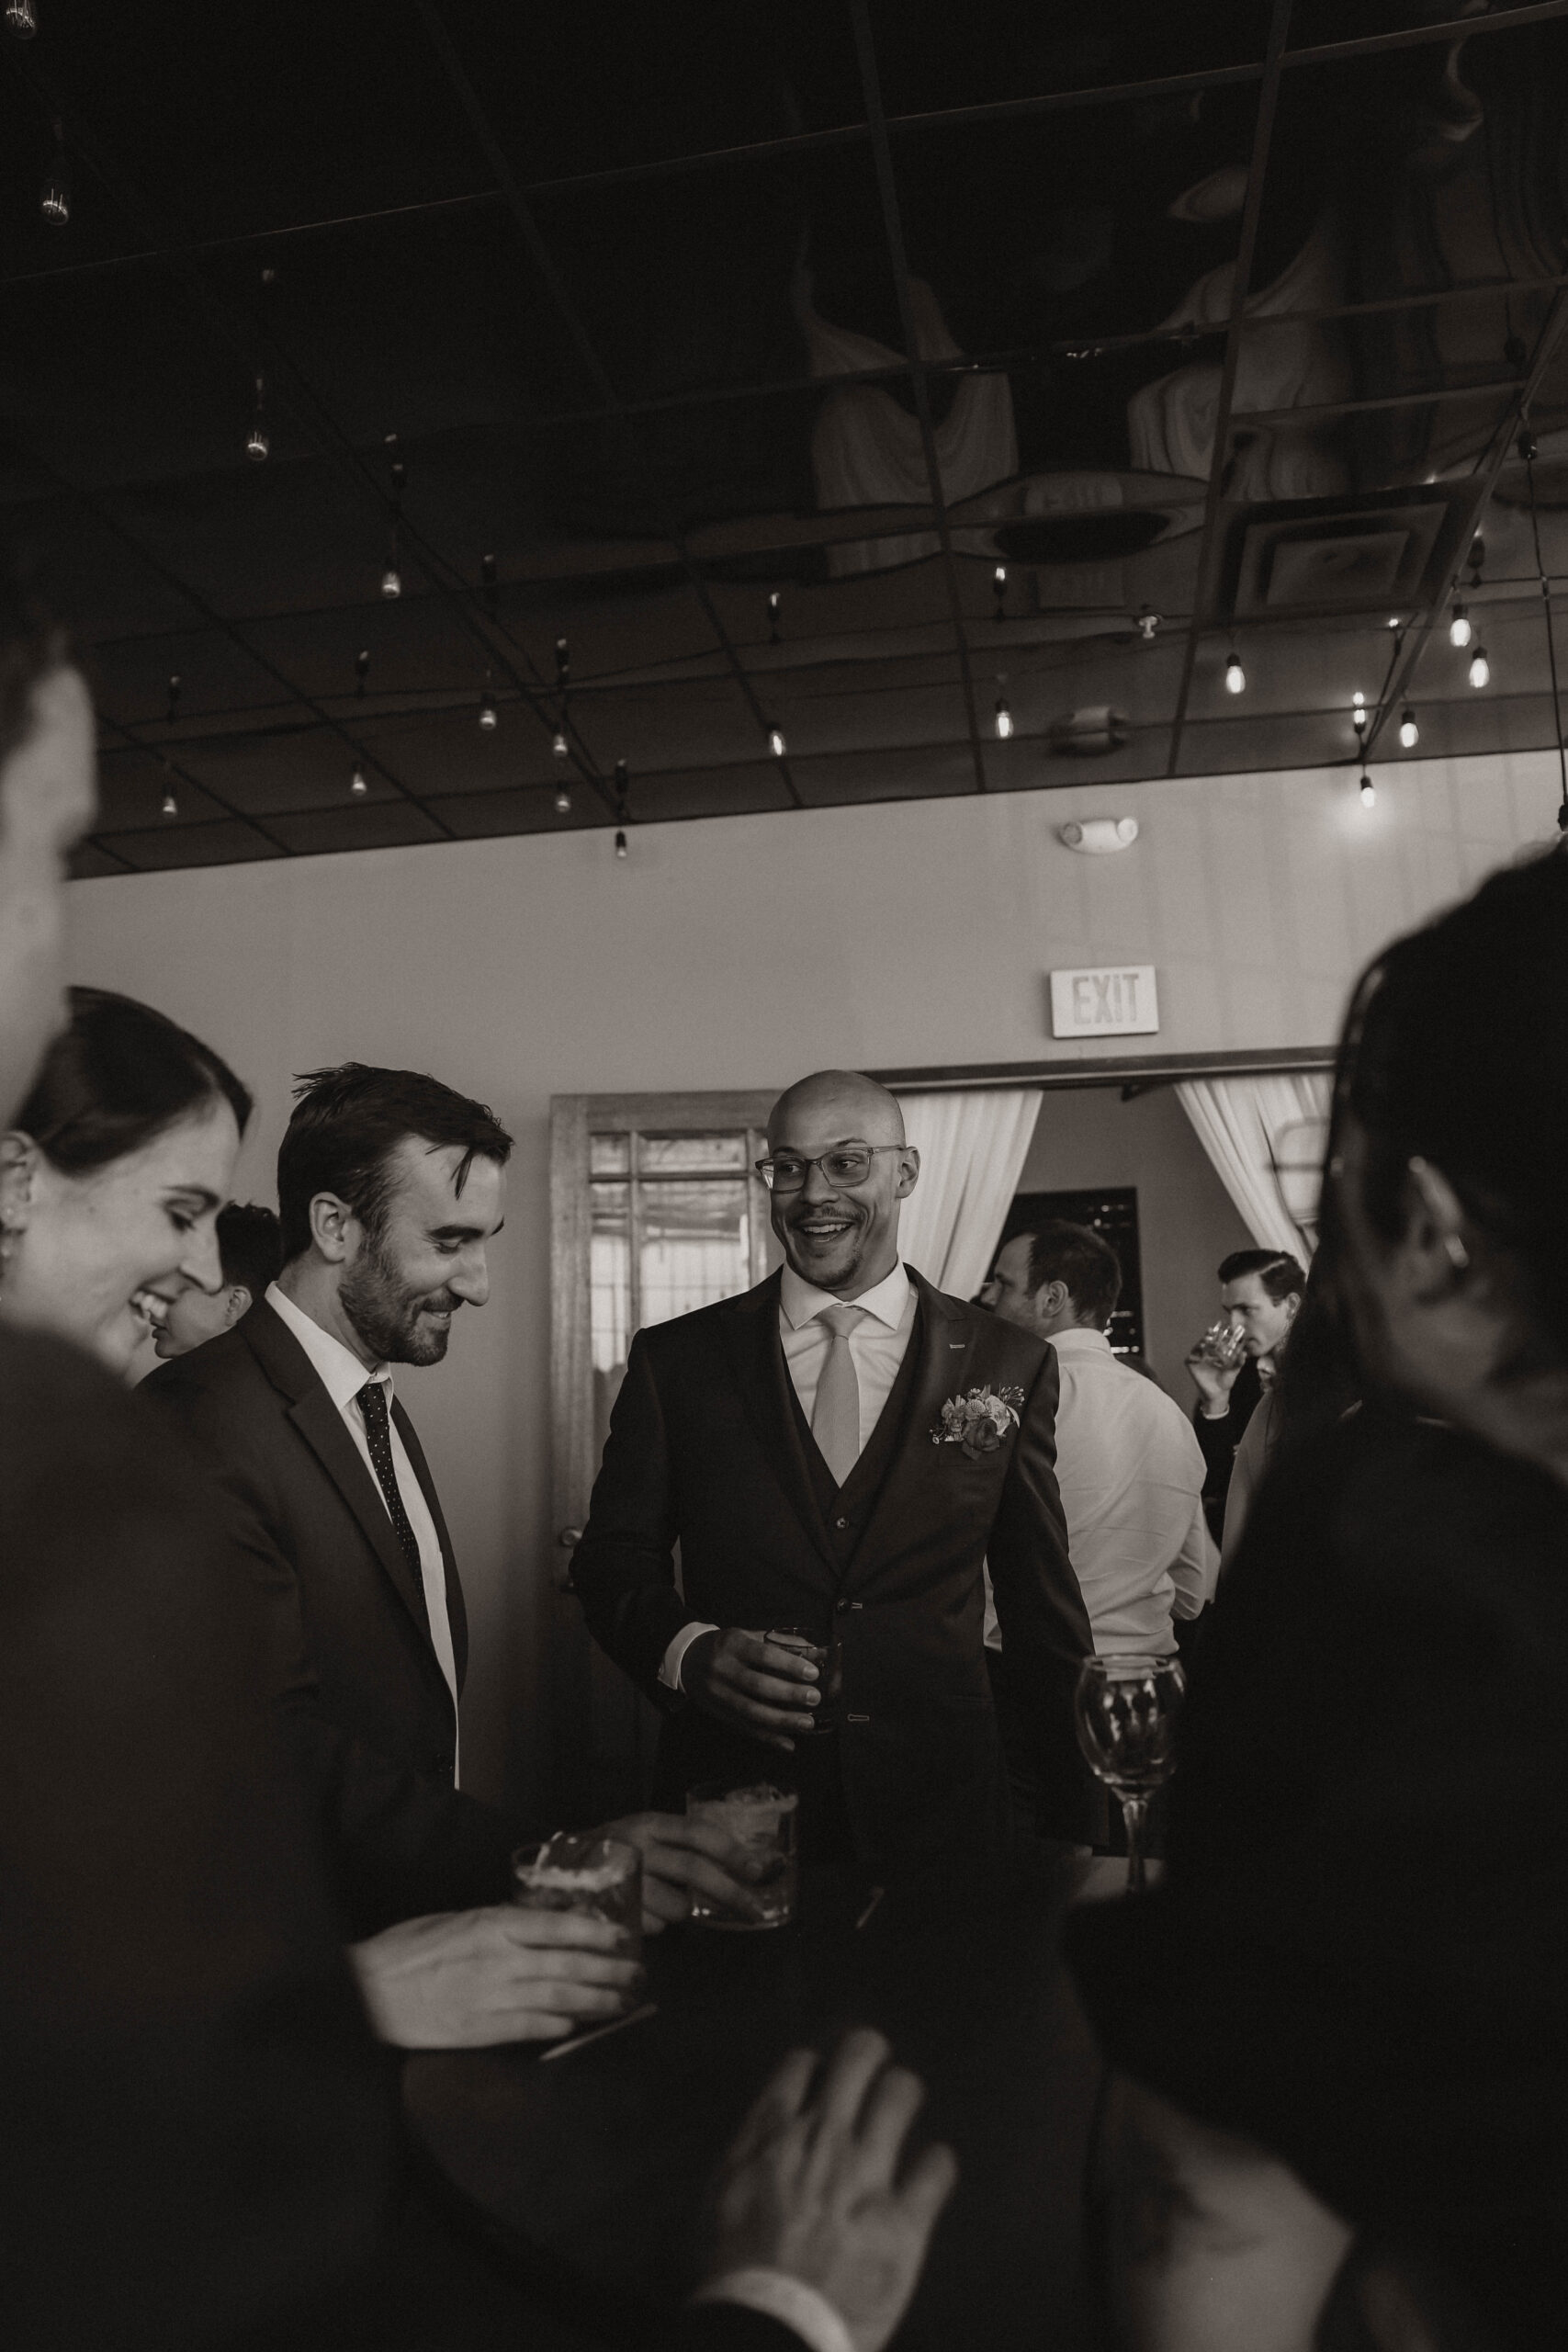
1125, 1711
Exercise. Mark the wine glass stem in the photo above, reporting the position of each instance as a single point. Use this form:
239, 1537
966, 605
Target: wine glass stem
1133, 1810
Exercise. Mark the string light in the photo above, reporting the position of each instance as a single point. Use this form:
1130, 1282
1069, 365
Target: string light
21, 19
258, 441
1480, 668
392, 583
171, 806
1359, 713
489, 716
361, 670
1409, 734
563, 800
773, 618
561, 747
1000, 589
620, 845
358, 783
1004, 717
1368, 792
1235, 676
1459, 628
775, 743
54, 198
563, 660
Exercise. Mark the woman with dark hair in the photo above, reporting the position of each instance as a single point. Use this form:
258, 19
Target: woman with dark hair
1338, 2027
113, 1175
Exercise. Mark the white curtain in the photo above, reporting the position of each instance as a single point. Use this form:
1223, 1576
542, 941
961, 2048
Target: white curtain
972, 1148
1266, 1137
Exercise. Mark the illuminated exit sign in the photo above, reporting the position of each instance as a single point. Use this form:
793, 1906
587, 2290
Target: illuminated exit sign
1112, 1001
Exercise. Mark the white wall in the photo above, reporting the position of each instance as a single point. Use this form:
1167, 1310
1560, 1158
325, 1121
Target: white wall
740, 953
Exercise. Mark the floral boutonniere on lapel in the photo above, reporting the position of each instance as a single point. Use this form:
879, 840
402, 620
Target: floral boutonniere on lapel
978, 1420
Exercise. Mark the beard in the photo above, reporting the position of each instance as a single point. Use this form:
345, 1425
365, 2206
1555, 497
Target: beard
389, 1315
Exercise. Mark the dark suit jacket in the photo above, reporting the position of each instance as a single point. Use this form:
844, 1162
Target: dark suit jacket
353, 1663
708, 1448
200, 2147
1218, 1439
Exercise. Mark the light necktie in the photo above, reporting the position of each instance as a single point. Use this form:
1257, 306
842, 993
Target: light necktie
372, 1402
835, 1413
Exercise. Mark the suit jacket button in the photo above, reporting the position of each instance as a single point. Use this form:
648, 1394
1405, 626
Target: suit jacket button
841, 1522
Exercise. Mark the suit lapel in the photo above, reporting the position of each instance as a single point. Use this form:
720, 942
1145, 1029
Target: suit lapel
456, 1614
762, 1379
942, 1344
320, 1425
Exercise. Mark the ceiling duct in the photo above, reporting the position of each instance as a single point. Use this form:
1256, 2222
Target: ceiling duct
1388, 551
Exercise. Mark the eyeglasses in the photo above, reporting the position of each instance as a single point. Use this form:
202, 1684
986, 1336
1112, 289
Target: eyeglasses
786, 1171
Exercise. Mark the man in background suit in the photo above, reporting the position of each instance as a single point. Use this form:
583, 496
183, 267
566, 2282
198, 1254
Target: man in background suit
390, 1187
842, 1449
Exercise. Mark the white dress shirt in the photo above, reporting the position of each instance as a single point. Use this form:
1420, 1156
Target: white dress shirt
1131, 1472
878, 1345
343, 1376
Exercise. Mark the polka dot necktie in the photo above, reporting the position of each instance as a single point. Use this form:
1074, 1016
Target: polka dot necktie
372, 1402
835, 1411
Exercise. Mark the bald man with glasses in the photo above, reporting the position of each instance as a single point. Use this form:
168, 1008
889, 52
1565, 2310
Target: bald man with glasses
839, 1454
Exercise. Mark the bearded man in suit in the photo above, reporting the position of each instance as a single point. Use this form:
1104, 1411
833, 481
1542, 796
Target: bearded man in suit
841, 1449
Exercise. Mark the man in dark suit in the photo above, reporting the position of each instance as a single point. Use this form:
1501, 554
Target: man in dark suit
390, 1187
842, 1449
1260, 1296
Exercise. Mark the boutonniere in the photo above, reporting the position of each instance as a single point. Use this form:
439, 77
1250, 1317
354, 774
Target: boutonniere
978, 1420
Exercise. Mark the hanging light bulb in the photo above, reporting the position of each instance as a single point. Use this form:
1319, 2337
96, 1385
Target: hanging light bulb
392, 583
563, 660
773, 618
775, 743
620, 845
563, 801
1359, 713
361, 669
358, 783
1235, 676
1480, 668
488, 718
1004, 718
54, 198
21, 19
1368, 792
559, 746
258, 441
171, 806
1409, 734
1459, 628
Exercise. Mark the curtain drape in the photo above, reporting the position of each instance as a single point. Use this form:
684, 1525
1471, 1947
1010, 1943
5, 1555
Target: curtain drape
1266, 1137
972, 1148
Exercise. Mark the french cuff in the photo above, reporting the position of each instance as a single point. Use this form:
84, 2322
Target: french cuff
670, 1670
789, 2300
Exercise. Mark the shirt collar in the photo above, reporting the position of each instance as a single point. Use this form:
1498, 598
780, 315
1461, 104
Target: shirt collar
338, 1369
1080, 1339
888, 1301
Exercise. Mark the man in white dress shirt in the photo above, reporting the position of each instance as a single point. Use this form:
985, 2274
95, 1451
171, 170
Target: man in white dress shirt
838, 1451
1128, 1465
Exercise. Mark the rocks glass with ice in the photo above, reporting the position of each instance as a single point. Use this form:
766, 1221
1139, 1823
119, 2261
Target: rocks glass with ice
599, 1877
761, 1819
1125, 1711
828, 1657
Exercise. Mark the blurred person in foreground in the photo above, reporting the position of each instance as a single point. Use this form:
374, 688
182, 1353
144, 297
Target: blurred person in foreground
250, 1255
1339, 2025
1261, 1295
201, 2148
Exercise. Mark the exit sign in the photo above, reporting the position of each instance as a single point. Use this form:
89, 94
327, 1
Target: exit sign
1110, 1000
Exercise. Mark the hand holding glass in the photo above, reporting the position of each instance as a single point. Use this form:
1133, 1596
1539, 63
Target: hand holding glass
1125, 1711
762, 1819
599, 1877
828, 1657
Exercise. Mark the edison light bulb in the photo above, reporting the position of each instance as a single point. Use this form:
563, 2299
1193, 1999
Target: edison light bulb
1004, 721
392, 583
1235, 676
559, 746
357, 783
1459, 628
171, 806
1409, 734
620, 845
1480, 668
775, 743
257, 444
487, 712
563, 802
1368, 792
